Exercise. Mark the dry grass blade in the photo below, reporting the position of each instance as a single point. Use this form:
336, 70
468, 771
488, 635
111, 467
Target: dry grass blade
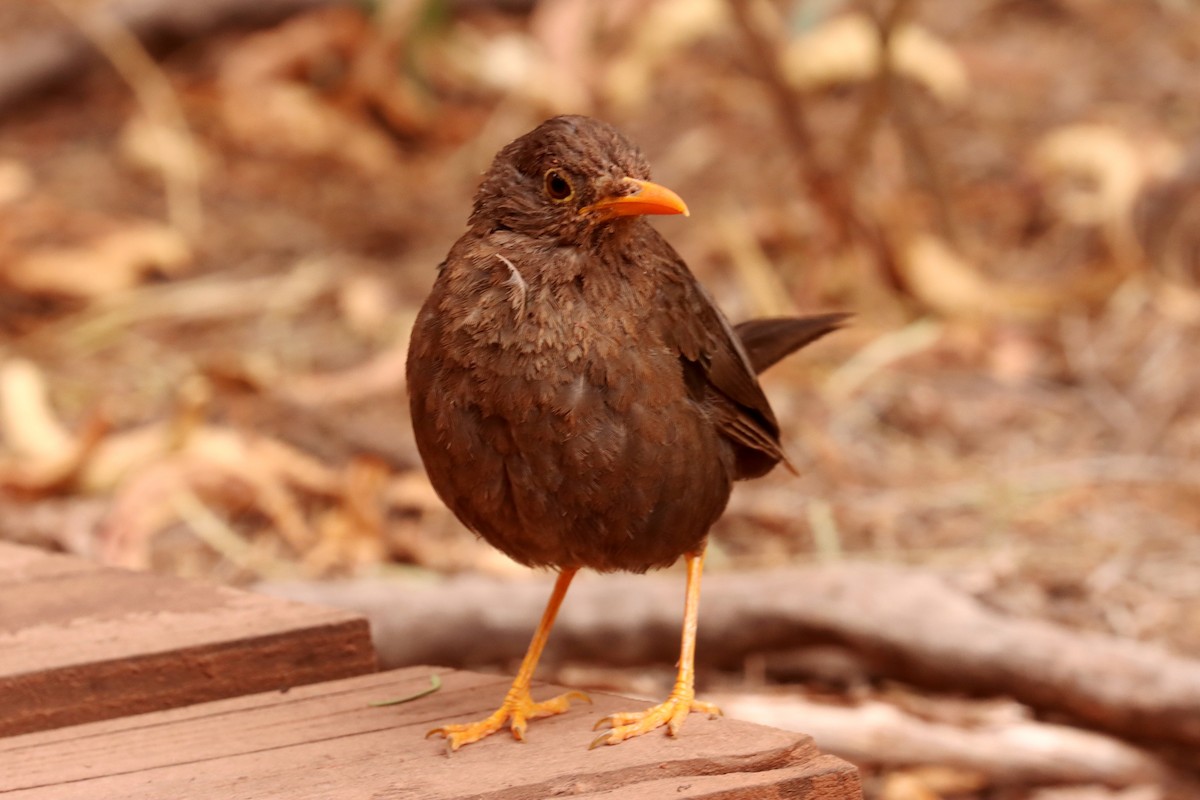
759, 278
215, 532
212, 298
879, 354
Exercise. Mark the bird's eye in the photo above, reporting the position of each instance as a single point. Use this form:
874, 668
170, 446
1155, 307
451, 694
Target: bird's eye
558, 188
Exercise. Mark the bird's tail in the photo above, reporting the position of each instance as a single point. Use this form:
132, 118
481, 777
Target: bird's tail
771, 339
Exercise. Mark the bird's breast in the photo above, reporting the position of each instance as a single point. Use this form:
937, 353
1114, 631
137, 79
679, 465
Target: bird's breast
561, 432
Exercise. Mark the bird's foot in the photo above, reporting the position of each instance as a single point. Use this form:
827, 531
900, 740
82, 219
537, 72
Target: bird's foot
681, 702
517, 709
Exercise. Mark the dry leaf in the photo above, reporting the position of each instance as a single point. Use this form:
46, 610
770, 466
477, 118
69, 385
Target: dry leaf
367, 303
412, 490
163, 149
44, 456
290, 118
953, 781
30, 427
109, 263
147, 503
906, 786
1178, 302
267, 104
665, 28
947, 283
845, 49
146, 469
16, 181
1094, 172
382, 374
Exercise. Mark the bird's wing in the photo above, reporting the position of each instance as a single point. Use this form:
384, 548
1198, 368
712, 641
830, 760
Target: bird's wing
715, 361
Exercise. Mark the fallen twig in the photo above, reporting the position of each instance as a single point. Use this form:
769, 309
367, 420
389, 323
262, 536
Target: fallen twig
1012, 751
904, 623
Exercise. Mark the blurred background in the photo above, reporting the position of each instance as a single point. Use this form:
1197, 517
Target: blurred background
217, 222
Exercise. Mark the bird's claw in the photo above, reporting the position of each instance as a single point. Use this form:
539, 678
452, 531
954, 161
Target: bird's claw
672, 713
517, 709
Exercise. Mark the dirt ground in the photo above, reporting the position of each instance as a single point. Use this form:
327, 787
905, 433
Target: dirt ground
210, 258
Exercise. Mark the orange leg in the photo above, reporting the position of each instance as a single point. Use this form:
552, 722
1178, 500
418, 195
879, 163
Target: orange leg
518, 705
682, 700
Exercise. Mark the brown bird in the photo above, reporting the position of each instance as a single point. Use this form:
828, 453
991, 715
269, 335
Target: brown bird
577, 397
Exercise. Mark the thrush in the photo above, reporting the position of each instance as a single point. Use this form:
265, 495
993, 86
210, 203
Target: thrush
577, 397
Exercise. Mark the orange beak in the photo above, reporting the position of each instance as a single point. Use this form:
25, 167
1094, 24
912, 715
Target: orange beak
650, 198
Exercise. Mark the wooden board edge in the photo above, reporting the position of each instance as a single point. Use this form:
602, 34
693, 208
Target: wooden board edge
157, 681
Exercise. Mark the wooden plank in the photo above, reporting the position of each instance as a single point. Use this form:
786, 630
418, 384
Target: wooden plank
80, 642
325, 740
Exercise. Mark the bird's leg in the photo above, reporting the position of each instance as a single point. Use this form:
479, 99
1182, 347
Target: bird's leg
682, 700
518, 705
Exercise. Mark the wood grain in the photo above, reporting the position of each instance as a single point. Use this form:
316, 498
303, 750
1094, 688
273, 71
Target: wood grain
80, 642
326, 740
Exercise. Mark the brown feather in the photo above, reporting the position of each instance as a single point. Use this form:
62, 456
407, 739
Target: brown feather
577, 397
771, 339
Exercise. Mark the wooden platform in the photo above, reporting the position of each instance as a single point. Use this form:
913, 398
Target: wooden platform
80, 642
327, 741
77, 641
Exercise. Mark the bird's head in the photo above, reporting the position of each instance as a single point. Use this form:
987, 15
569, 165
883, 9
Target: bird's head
566, 179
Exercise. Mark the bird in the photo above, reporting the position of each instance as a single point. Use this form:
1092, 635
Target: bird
578, 399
